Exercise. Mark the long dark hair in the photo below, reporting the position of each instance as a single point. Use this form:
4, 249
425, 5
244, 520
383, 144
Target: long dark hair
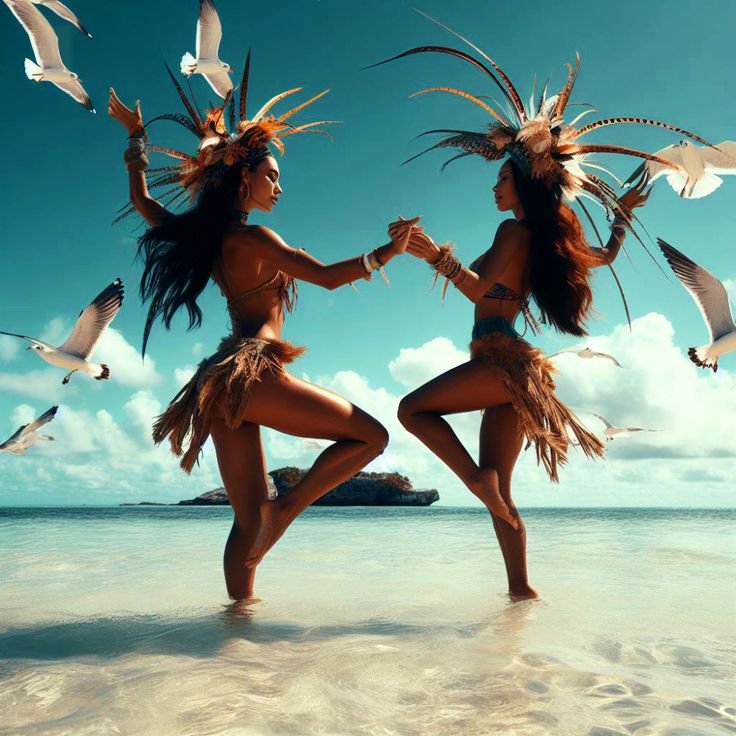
180, 253
561, 258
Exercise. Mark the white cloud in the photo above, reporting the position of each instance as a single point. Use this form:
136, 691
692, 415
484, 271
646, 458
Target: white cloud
23, 414
126, 365
197, 349
9, 348
415, 366
182, 375
658, 388
40, 384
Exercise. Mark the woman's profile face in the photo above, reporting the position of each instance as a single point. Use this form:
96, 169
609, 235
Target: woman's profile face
262, 185
505, 191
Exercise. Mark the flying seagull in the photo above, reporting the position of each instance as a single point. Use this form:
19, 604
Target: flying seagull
27, 436
712, 300
699, 168
587, 353
63, 12
207, 63
74, 353
610, 431
48, 66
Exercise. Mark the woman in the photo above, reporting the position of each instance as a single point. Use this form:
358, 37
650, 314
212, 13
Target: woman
542, 252
244, 384
505, 376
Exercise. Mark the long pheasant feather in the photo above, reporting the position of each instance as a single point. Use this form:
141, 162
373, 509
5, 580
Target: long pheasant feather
467, 96
639, 121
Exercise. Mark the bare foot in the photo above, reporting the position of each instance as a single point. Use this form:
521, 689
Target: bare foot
270, 522
523, 593
486, 488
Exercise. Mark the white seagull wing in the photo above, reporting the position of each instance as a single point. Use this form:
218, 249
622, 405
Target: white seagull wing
721, 161
14, 438
30, 339
220, 82
93, 320
43, 39
606, 356
74, 88
654, 169
45, 418
209, 31
605, 421
63, 12
707, 291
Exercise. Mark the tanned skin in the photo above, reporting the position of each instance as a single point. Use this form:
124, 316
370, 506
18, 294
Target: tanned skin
473, 386
251, 255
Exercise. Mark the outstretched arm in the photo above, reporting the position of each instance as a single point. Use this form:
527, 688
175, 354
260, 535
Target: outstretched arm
490, 266
635, 197
136, 160
268, 246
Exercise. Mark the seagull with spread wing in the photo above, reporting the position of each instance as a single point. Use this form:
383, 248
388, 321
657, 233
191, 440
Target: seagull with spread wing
712, 299
75, 352
587, 353
27, 435
207, 63
610, 431
48, 66
63, 12
695, 169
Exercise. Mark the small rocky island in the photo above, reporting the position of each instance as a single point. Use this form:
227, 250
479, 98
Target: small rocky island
363, 489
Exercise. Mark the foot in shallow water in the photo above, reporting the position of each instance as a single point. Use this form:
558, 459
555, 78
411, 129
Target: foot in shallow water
486, 488
273, 524
523, 593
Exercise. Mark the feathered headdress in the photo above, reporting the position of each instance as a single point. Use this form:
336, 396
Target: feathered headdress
219, 147
536, 136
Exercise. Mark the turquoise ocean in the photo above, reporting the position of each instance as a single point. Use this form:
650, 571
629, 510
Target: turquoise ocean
373, 621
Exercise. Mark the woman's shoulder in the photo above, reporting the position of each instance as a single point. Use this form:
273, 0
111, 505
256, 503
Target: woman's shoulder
258, 236
513, 231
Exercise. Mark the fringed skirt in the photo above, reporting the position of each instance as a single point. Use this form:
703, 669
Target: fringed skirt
224, 379
527, 375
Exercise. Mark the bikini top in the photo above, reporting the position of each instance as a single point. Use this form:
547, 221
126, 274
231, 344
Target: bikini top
285, 284
506, 293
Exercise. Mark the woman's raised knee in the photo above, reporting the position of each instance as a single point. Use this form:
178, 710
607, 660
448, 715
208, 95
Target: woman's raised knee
406, 410
377, 437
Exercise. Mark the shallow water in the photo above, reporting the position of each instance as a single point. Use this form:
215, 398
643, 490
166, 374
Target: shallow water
374, 621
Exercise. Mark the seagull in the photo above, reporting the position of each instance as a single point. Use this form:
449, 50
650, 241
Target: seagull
610, 431
699, 168
587, 353
207, 63
92, 321
63, 12
48, 66
26, 436
712, 300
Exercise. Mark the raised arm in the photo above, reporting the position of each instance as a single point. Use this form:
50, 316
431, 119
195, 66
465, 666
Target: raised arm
136, 160
268, 246
635, 197
473, 284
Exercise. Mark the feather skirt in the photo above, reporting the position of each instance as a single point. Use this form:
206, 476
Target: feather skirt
543, 418
224, 380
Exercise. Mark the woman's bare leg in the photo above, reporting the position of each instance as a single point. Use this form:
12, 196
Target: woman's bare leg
292, 406
468, 387
500, 444
243, 470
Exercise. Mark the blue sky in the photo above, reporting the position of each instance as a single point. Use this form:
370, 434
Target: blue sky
63, 180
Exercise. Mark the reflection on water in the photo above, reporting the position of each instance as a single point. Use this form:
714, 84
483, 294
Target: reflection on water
113, 621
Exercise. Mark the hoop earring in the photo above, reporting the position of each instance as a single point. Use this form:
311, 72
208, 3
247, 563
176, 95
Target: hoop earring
247, 196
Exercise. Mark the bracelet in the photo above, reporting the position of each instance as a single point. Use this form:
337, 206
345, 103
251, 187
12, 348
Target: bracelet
449, 267
135, 154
